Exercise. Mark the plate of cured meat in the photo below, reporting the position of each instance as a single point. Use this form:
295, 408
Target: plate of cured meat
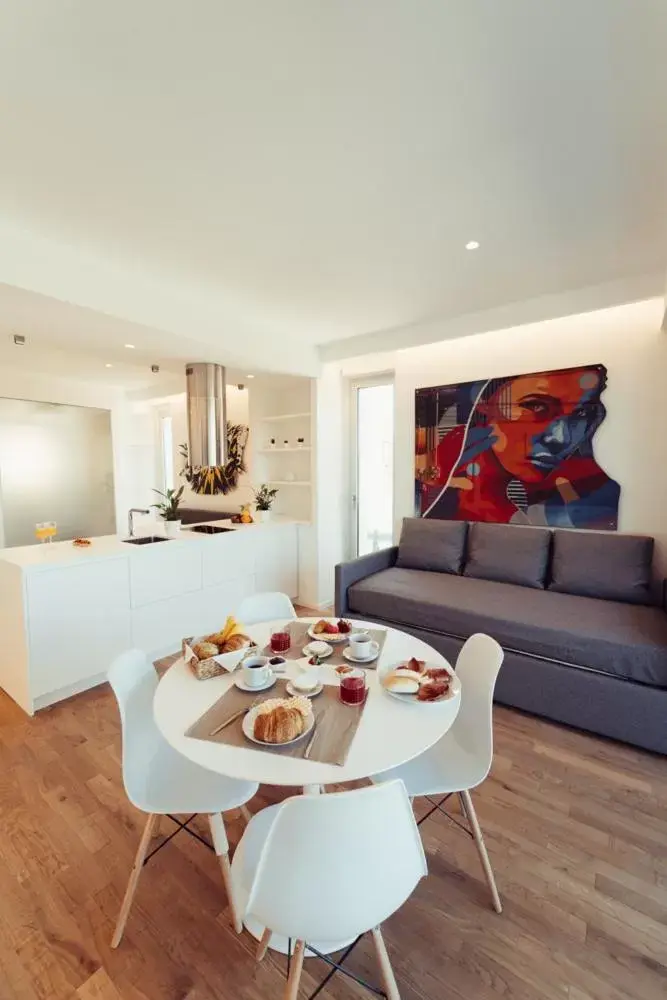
417, 681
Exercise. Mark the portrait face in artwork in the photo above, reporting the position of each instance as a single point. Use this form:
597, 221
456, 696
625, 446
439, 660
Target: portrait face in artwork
515, 449
538, 421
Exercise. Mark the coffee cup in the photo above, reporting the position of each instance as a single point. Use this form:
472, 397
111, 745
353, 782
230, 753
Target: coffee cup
256, 671
361, 646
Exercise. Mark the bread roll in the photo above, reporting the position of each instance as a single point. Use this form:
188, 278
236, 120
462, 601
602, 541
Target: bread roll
204, 650
402, 683
405, 672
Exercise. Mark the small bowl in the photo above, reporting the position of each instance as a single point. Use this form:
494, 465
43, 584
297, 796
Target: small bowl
305, 681
277, 663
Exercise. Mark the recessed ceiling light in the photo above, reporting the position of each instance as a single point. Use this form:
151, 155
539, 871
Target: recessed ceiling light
108, 366
472, 245
250, 376
131, 346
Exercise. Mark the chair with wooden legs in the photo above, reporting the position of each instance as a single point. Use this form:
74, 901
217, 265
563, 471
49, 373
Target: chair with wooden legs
161, 782
320, 871
462, 759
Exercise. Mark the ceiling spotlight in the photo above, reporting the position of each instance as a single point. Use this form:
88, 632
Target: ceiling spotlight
472, 245
250, 376
19, 340
131, 346
108, 365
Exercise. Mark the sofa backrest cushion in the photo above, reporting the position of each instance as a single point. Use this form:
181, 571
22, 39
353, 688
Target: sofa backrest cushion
508, 553
432, 545
602, 564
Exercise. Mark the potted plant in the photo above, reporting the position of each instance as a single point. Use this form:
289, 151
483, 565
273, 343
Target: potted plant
264, 500
168, 510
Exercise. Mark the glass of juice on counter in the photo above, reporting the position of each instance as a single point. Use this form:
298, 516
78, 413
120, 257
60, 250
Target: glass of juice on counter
40, 531
51, 530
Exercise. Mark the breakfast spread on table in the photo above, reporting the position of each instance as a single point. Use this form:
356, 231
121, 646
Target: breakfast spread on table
281, 720
418, 682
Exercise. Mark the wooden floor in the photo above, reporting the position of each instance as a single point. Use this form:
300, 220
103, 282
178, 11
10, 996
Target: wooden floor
576, 828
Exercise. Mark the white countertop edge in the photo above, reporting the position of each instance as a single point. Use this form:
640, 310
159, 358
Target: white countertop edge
54, 554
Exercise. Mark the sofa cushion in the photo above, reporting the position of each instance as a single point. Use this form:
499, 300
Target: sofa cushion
623, 639
508, 553
433, 545
602, 564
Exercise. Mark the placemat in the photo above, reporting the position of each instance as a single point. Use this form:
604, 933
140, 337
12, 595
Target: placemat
335, 724
299, 637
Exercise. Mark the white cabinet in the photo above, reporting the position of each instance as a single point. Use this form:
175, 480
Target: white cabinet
276, 559
79, 620
159, 627
164, 570
230, 555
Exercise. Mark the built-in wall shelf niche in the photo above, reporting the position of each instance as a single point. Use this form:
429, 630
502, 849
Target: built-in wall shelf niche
282, 441
272, 451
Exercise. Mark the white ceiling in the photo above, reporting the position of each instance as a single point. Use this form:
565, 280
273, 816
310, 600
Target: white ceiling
256, 179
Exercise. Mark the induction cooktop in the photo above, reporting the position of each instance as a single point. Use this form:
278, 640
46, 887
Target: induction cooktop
208, 529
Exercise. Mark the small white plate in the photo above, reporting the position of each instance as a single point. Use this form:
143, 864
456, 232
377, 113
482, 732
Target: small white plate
296, 692
353, 659
248, 725
307, 651
329, 637
241, 684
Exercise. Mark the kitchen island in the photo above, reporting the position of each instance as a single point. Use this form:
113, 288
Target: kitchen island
66, 612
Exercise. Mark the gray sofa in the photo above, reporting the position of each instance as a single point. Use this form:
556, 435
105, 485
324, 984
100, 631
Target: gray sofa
577, 613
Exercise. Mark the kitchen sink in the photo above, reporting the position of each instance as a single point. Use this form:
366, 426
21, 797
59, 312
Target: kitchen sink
146, 540
208, 529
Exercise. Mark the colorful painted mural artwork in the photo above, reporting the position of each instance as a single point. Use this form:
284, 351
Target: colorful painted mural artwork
515, 450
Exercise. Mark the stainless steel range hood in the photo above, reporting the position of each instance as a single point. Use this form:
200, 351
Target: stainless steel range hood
207, 414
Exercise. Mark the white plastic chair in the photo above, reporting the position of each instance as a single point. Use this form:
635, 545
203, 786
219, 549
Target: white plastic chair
265, 608
160, 781
462, 759
329, 868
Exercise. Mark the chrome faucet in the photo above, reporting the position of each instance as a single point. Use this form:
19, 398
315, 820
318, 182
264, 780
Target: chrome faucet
130, 521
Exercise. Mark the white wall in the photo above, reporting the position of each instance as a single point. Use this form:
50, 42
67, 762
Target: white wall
630, 444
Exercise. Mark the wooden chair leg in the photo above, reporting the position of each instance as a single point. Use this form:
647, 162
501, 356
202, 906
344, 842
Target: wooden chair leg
133, 881
263, 944
292, 986
469, 809
386, 971
222, 850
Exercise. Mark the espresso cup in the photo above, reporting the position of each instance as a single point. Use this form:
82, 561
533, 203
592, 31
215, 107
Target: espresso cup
362, 647
256, 671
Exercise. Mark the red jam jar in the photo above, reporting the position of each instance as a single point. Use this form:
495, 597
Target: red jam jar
353, 689
280, 641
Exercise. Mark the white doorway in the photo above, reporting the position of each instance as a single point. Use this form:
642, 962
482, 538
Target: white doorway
372, 464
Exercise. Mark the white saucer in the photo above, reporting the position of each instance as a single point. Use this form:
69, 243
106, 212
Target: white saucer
248, 725
241, 684
296, 693
307, 651
353, 659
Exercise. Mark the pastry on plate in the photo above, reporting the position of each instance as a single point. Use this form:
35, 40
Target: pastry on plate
280, 720
406, 672
205, 650
82, 543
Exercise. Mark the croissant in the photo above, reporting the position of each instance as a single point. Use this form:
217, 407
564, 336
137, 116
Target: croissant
237, 641
280, 725
204, 650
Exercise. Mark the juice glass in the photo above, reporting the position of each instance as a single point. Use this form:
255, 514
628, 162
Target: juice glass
353, 688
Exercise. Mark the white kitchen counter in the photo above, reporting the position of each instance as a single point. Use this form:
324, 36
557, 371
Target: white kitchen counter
66, 612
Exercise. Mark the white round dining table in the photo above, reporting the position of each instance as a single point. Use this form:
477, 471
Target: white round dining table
391, 731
